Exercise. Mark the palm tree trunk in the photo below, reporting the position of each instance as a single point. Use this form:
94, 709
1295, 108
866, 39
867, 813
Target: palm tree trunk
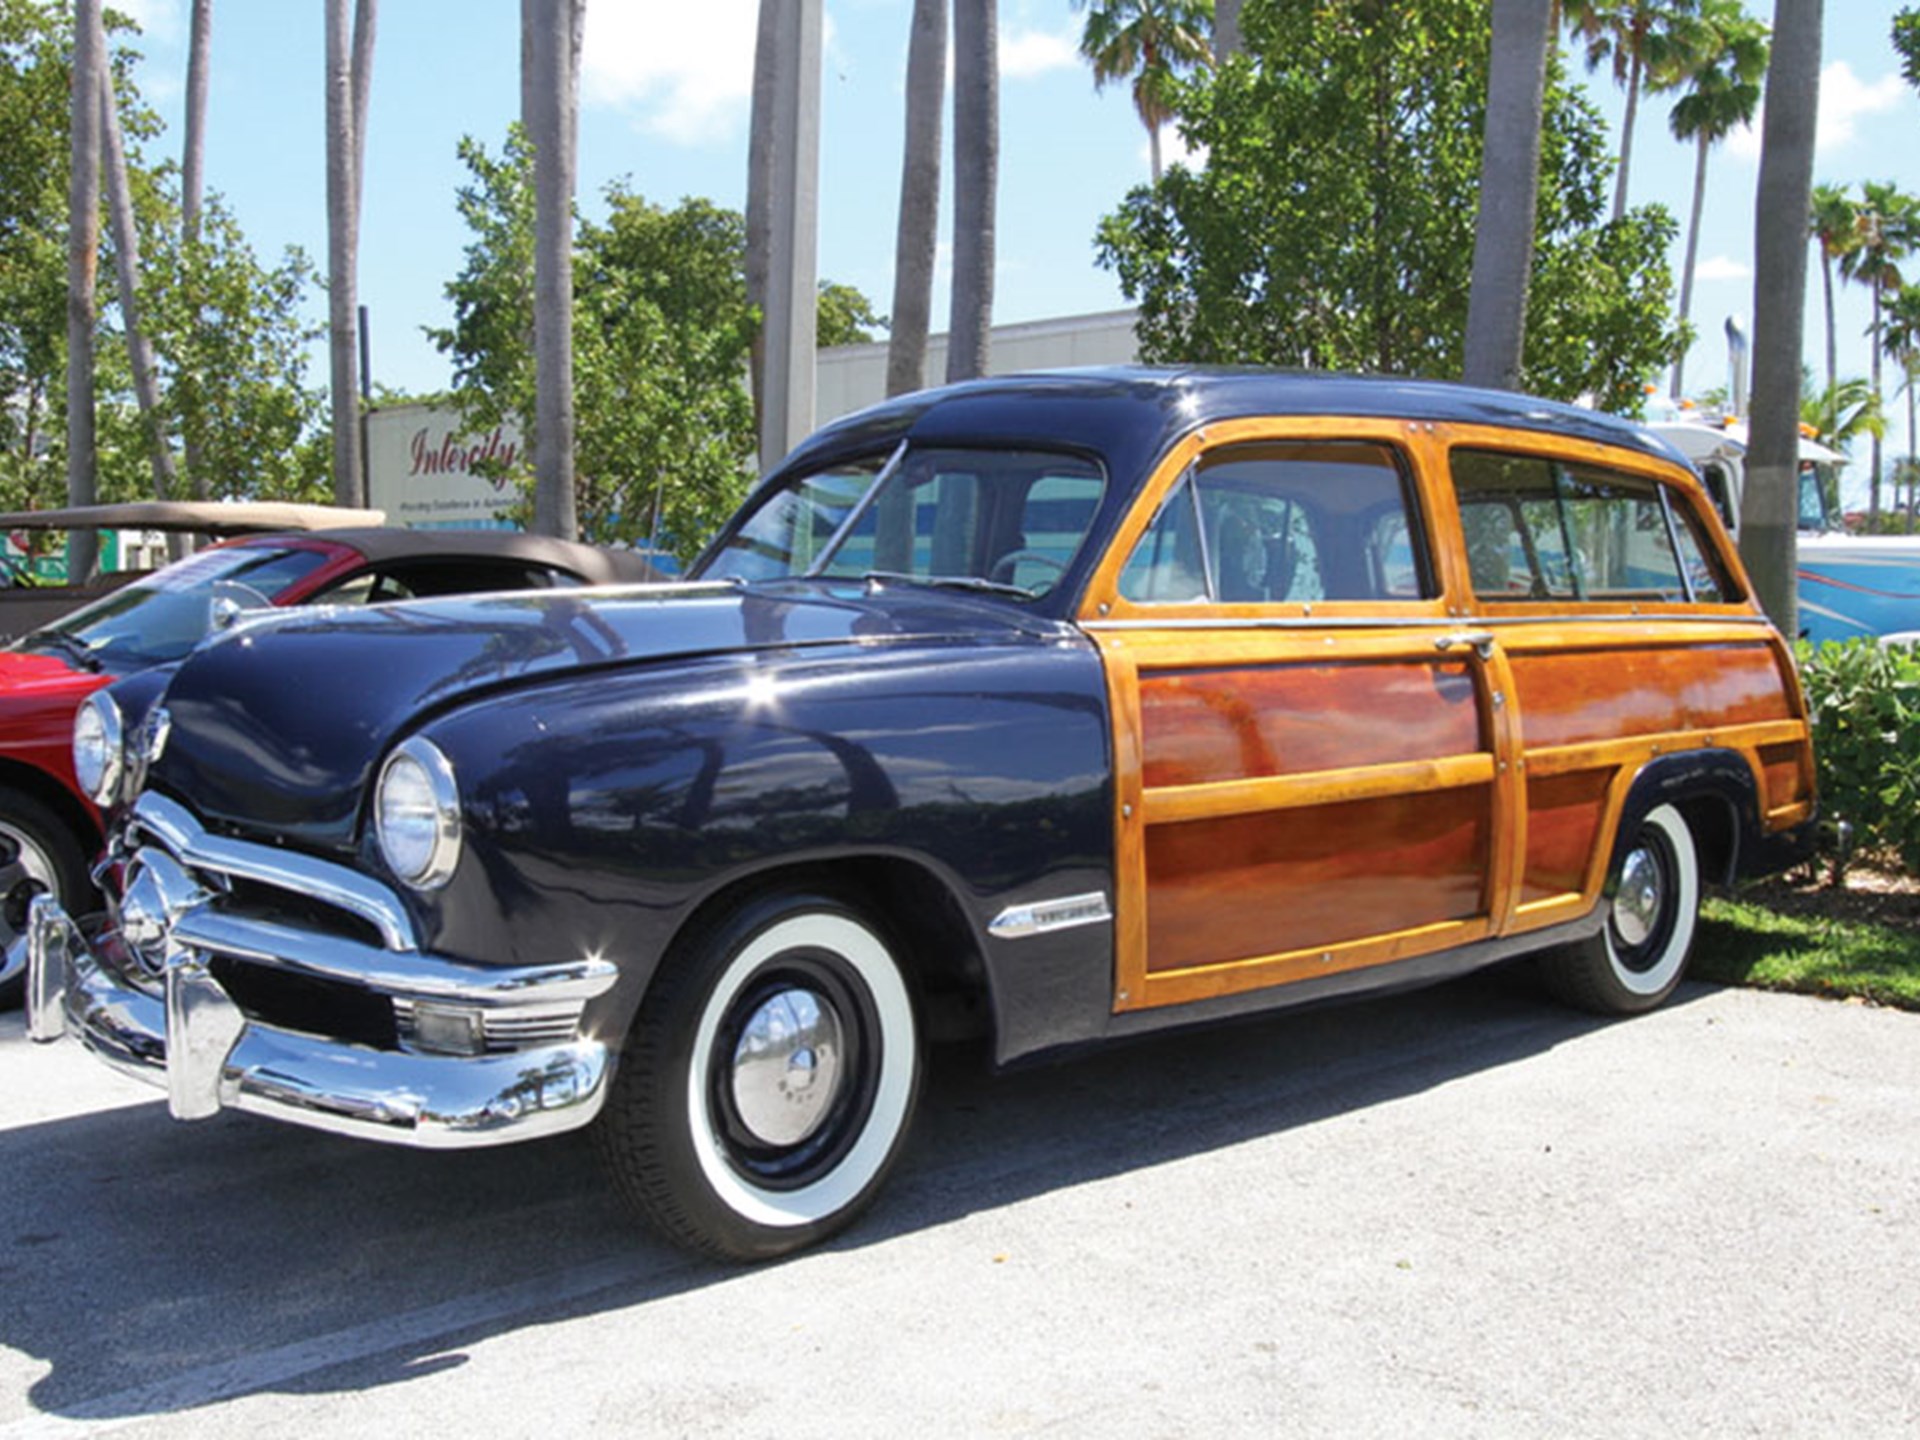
343, 242
193, 170
1227, 37
1873, 494
1702, 141
760, 148
554, 134
126, 248
1833, 354
1769, 510
83, 250
364, 18
1509, 191
1153, 149
976, 169
915, 243
1626, 138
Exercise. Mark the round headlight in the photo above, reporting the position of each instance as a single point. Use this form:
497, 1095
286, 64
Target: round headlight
417, 815
99, 749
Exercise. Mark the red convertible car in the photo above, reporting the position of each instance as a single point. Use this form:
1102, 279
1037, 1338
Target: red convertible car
52, 828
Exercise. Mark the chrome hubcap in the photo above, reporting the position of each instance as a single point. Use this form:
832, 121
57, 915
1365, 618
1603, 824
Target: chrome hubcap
1636, 905
786, 1068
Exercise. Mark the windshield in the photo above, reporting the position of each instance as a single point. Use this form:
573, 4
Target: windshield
1010, 519
157, 620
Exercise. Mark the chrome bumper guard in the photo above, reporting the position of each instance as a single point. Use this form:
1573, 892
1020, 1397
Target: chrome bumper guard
193, 1040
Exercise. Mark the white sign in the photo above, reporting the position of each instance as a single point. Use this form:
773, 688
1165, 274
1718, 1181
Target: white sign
424, 469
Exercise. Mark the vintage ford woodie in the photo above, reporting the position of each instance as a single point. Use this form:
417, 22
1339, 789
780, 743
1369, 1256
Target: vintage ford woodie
1056, 709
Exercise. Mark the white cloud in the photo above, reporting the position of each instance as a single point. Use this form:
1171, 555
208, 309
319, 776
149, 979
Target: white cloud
1845, 100
1025, 54
686, 71
1722, 267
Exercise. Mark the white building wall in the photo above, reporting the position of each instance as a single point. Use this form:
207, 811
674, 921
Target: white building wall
854, 376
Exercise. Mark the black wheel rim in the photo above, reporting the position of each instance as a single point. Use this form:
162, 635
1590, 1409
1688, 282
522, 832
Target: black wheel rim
788, 1152
1645, 902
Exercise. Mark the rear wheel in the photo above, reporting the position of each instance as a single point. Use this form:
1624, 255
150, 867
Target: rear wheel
47, 856
1639, 955
767, 1084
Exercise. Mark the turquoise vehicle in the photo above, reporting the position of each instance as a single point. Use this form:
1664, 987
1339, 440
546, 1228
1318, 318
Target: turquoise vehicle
1850, 585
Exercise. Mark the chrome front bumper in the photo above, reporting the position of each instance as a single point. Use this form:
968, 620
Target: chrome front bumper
193, 1040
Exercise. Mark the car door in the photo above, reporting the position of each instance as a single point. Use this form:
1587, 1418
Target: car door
1312, 758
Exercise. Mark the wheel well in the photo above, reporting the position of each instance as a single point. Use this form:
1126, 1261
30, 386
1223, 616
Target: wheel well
925, 923
1715, 831
57, 798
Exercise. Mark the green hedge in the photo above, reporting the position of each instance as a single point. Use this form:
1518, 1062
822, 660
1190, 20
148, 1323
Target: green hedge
1864, 699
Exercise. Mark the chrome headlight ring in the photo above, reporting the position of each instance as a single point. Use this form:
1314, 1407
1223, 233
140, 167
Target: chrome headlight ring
99, 748
416, 814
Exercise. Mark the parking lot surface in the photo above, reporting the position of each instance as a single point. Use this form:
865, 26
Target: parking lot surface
1463, 1211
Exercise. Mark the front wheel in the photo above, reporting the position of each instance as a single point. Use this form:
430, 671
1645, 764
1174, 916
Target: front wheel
767, 1084
41, 851
1641, 952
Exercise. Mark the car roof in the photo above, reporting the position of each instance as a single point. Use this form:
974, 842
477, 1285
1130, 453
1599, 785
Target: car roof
596, 564
1131, 413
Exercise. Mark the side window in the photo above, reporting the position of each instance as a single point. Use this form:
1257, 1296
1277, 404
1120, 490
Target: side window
1540, 530
1270, 523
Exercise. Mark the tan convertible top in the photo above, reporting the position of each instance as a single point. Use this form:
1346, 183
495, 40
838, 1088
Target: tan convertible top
206, 517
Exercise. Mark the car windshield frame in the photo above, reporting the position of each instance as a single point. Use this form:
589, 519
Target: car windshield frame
1003, 520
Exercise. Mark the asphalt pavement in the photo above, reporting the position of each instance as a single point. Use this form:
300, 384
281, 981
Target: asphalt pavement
1460, 1212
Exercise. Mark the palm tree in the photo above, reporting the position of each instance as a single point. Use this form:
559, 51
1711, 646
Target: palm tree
126, 254
915, 242
1770, 508
976, 180
1887, 229
1509, 188
193, 169
1836, 225
1902, 340
83, 248
343, 244
1726, 58
1151, 42
553, 27
1637, 37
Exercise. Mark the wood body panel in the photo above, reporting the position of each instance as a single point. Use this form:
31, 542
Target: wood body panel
1306, 787
1223, 890
1204, 725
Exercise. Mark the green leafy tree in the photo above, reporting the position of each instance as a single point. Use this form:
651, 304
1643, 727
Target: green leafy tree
229, 333
1332, 226
1906, 43
846, 316
664, 433
1902, 341
1151, 43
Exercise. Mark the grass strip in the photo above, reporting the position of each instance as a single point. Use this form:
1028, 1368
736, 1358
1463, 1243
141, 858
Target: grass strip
1741, 943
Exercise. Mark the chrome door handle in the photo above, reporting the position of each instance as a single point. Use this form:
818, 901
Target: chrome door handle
1480, 640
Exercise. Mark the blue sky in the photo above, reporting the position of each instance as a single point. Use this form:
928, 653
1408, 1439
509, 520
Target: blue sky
665, 102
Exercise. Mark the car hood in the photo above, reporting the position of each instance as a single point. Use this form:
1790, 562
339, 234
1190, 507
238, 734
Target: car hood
276, 727
35, 674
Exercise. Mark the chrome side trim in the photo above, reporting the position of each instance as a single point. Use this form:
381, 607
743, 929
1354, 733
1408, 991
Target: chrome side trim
421, 976
1042, 917
1395, 622
174, 826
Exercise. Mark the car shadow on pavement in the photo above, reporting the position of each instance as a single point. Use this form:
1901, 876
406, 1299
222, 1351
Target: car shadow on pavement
155, 1267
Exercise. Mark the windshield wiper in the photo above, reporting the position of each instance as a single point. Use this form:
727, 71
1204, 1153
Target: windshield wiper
79, 650
950, 582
